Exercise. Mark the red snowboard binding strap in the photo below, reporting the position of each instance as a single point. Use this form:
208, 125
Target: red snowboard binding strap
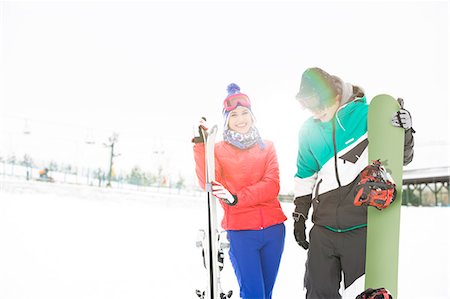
376, 187
380, 293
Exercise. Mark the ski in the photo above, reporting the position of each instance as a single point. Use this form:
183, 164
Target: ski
212, 266
210, 240
386, 145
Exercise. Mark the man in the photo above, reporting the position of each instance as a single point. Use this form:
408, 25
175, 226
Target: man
332, 152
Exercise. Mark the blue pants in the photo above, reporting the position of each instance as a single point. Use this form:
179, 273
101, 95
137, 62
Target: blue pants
255, 256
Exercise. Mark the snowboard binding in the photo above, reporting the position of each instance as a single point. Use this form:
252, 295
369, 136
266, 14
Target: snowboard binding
380, 293
376, 187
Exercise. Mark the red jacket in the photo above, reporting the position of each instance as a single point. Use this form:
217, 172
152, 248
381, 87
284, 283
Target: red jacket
253, 176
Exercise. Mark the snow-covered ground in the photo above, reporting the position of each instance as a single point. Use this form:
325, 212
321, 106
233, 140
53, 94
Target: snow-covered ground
68, 241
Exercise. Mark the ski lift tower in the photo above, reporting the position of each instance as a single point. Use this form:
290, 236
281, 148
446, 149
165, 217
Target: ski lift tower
27, 157
112, 140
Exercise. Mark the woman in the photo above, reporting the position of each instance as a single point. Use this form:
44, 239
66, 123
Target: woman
247, 185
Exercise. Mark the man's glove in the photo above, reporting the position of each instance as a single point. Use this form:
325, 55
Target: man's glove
198, 136
219, 191
402, 118
302, 206
300, 230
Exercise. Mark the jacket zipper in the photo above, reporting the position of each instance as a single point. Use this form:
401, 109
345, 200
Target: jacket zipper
262, 220
316, 198
336, 170
335, 153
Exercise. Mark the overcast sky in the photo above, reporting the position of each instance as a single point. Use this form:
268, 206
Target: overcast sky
72, 71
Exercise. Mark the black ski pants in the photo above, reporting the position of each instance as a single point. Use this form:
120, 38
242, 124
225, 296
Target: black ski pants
330, 254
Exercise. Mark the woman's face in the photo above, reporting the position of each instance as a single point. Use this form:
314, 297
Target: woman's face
240, 120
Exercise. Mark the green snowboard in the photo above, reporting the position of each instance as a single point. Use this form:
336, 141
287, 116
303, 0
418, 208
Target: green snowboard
385, 143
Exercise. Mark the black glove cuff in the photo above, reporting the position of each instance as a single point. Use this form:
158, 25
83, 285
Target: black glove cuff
198, 139
229, 203
235, 200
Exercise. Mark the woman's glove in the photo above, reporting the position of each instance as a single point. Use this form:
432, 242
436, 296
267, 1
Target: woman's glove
219, 191
198, 136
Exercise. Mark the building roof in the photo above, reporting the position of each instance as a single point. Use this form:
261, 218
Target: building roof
426, 175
